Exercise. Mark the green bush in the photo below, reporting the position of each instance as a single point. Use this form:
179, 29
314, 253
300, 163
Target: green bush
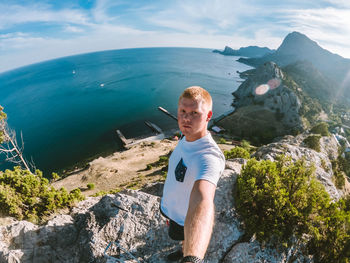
280, 200
275, 199
324, 165
90, 186
237, 152
321, 128
344, 163
30, 196
163, 160
341, 168
55, 176
245, 145
164, 175
339, 179
330, 238
313, 142
101, 193
222, 141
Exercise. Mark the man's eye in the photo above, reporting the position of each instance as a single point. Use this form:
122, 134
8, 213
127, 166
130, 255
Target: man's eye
194, 112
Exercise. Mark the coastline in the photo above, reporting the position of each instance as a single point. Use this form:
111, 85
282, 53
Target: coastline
81, 166
131, 168
122, 169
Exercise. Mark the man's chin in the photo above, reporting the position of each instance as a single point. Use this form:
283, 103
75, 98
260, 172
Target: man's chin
185, 131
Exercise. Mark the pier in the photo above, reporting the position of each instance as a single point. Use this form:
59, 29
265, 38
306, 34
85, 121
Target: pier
125, 141
160, 135
154, 127
167, 113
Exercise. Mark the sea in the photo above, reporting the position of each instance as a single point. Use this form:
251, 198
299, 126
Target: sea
68, 109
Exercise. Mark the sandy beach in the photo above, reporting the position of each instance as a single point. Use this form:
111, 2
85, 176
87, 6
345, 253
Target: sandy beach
121, 169
131, 168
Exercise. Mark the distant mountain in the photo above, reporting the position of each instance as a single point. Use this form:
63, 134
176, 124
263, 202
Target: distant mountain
251, 51
296, 47
312, 81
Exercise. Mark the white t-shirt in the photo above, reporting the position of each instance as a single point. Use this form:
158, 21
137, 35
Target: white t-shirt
189, 162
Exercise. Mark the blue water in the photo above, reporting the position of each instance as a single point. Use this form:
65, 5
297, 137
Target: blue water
67, 116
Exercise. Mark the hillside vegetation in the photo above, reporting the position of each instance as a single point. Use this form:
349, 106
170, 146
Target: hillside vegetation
281, 200
24, 195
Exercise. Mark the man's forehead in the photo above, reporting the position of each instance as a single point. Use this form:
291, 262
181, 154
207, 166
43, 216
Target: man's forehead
190, 101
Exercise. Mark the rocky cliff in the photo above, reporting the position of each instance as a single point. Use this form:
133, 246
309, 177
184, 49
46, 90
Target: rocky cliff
132, 220
277, 105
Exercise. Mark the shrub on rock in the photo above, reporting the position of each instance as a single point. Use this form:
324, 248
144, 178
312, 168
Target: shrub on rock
313, 142
281, 200
237, 152
321, 128
30, 196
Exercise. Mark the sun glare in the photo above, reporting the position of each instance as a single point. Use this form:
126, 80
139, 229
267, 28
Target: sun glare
264, 88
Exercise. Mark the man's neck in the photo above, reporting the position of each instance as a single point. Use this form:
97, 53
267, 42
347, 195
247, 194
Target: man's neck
197, 136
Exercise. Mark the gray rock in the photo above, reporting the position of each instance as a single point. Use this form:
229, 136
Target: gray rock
280, 100
227, 229
253, 252
131, 219
131, 222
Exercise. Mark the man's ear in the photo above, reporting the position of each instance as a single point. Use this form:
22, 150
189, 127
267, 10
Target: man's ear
210, 114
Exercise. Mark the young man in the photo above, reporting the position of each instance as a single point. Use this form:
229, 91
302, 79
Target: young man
195, 167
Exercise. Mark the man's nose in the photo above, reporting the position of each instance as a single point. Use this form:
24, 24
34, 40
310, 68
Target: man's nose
186, 116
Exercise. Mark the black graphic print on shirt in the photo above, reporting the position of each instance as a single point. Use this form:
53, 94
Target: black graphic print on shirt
180, 171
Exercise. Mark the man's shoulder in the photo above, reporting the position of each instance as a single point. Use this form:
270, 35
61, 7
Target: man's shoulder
205, 147
211, 147
211, 154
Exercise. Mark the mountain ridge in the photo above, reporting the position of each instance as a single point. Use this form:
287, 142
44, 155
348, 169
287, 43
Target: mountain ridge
297, 46
250, 51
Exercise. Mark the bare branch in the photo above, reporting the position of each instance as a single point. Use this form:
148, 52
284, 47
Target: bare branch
2, 149
10, 147
32, 164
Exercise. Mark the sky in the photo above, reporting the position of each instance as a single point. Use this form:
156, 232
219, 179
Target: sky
33, 31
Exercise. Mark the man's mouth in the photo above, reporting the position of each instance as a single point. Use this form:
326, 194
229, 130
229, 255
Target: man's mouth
186, 126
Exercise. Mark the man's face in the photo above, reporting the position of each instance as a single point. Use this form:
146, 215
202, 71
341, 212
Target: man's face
193, 117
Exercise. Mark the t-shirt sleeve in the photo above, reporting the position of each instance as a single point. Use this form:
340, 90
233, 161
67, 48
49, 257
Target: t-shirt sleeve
211, 167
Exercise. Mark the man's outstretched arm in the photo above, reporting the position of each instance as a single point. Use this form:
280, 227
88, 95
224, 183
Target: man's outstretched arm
199, 219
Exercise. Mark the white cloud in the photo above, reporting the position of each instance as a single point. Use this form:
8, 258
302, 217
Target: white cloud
16, 14
73, 29
340, 3
208, 24
108, 37
180, 24
12, 35
202, 16
330, 27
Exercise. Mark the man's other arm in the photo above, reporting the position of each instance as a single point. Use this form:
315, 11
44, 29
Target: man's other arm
199, 219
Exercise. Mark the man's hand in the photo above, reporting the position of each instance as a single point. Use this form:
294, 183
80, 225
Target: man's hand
199, 219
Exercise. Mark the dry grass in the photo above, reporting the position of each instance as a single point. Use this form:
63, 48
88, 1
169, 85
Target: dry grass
126, 169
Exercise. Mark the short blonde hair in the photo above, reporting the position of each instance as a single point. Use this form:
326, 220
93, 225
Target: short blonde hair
199, 94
